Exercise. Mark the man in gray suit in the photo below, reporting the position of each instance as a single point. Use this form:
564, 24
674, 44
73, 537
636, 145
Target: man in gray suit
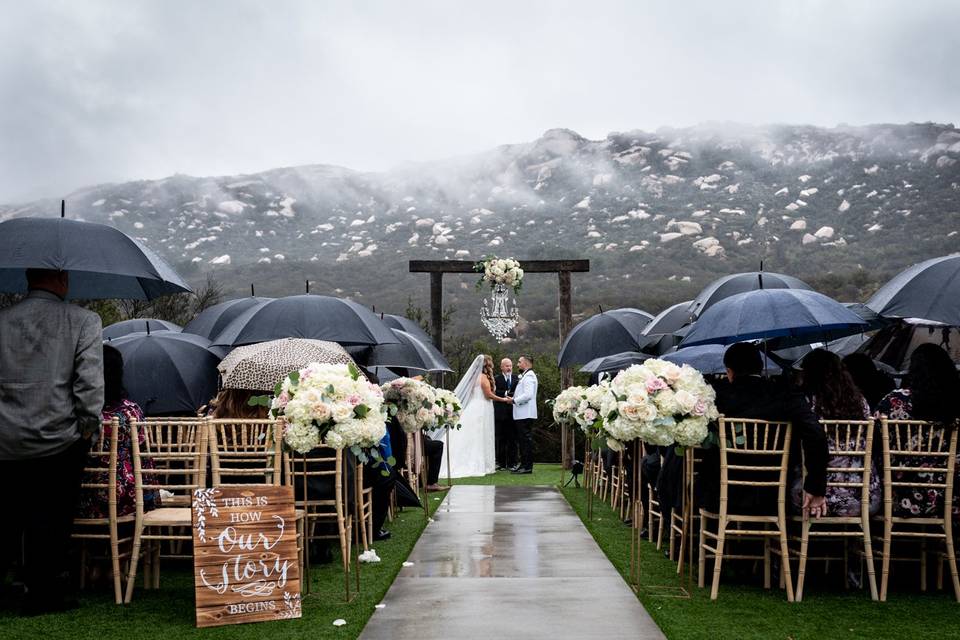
51, 396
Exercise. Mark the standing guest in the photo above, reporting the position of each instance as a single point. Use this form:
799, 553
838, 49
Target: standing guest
873, 383
51, 395
525, 412
94, 504
748, 395
832, 394
505, 385
930, 392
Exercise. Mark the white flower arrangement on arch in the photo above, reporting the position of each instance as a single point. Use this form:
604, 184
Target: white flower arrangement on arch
505, 271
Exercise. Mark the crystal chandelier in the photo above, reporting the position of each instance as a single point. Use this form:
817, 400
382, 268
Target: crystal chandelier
495, 317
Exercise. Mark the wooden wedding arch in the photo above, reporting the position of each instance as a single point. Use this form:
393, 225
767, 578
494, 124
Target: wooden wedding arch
563, 269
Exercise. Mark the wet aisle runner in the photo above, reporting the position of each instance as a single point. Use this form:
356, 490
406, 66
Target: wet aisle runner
508, 562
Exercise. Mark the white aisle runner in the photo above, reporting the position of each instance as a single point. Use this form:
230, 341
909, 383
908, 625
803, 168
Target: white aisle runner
508, 562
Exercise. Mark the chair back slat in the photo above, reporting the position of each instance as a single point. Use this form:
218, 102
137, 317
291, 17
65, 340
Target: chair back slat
245, 451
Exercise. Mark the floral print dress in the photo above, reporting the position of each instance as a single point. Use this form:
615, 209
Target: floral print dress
843, 501
95, 503
907, 502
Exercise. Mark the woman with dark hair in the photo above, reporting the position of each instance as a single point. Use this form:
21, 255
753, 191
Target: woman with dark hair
115, 404
873, 383
833, 395
930, 392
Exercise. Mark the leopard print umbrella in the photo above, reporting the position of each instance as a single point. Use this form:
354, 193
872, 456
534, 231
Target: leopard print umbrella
259, 367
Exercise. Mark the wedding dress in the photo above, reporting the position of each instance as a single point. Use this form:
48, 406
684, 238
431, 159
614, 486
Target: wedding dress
471, 449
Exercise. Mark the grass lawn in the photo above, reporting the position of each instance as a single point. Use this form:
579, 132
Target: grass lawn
745, 612
169, 612
543, 474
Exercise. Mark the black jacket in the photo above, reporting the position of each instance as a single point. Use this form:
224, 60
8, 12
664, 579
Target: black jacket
763, 399
502, 411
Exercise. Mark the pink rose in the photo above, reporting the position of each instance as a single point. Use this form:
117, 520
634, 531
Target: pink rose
354, 399
655, 384
700, 408
283, 399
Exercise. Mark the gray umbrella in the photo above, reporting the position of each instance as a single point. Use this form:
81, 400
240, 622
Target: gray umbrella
212, 320
406, 324
708, 359
670, 319
306, 316
410, 353
103, 261
928, 290
137, 325
738, 283
604, 334
167, 372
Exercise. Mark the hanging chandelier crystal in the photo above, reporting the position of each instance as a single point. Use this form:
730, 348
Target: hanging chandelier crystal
494, 315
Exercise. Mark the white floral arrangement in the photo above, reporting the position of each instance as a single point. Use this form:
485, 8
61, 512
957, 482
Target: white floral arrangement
413, 403
329, 403
505, 271
451, 406
660, 403
566, 404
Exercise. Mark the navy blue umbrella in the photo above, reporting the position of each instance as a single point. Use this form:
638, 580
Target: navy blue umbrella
929, 290
406, 324
166, 372
708, 359
307, 316
604, 334
136, 325
212, 320
103, 261
794, 316
739, 283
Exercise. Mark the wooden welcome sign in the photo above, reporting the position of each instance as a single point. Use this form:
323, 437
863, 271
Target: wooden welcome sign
245, 555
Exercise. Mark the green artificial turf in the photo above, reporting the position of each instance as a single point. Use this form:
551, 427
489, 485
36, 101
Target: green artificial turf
168, 613
744, 611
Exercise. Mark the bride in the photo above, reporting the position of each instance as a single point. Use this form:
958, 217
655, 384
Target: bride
471, 449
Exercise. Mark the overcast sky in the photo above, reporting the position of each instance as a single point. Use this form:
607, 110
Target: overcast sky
96, 92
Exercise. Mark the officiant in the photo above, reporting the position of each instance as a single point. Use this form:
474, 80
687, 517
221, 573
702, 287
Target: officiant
506, 438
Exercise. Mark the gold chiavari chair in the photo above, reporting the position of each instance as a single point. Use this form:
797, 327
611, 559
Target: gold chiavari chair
100, 476
753, 455
917, 456
365, 511
654, 513
245, 451
177, 450
852, 440
617, 474
325, 514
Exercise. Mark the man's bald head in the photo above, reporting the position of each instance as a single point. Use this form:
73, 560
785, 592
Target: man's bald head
506, 365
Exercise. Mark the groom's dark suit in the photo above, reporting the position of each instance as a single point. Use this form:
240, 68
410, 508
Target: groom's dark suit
506, 437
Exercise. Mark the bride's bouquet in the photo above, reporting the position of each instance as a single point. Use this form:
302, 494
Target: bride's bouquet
331, 403
451, 406
660, 403
413, 403
505, 271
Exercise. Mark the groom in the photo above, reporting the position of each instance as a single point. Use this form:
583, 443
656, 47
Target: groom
525, 413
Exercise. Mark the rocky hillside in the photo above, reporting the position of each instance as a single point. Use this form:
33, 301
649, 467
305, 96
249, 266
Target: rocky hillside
658, 213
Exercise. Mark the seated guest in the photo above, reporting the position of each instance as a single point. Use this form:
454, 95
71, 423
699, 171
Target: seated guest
930, 392
873, 383
94, 504
748, 395
234, 403
833, 396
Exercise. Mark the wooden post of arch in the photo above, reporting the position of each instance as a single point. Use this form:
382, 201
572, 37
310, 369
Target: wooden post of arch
563, 269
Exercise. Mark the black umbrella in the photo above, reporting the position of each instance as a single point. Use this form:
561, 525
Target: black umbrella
103, 261
616, 362
738, 283
410, 353
167, 372
928, 290
307, 316
406, 324
212, 320
604, 334
670, 319
136, 325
